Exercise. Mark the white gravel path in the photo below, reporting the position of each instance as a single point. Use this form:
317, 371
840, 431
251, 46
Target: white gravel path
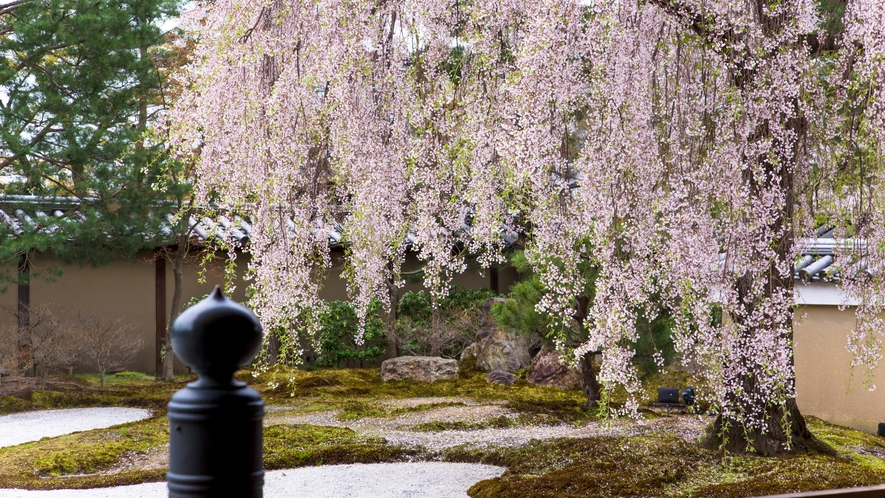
383, 480
380, 480
21, 428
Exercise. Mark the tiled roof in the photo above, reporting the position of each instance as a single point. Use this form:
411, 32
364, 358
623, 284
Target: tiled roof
824, 258
21, 214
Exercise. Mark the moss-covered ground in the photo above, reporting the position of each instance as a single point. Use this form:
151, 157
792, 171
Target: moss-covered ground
651, 464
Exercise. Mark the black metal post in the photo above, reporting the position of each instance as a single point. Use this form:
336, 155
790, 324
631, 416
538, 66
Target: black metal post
215, 439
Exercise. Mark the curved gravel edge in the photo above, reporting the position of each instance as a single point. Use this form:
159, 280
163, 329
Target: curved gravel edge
25, 427
379, 480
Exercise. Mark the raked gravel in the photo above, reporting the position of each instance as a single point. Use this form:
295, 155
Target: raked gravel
386, 480
21, 428
380, 480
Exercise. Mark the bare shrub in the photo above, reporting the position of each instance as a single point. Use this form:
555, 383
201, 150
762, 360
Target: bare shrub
443, 331
8, 351
106, 345
52, 342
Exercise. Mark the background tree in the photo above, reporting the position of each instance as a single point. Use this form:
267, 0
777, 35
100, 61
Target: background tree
52, 342
80, 89
444, 328
680, 139
520, 313
106, 345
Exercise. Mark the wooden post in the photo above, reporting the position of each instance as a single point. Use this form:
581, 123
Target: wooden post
159, 308
24, 312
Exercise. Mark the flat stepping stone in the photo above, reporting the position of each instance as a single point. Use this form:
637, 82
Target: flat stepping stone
25, 427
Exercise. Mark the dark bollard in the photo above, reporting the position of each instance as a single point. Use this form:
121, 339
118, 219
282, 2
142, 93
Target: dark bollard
215, 439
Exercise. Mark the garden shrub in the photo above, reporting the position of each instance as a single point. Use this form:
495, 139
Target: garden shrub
443, 331
338, 327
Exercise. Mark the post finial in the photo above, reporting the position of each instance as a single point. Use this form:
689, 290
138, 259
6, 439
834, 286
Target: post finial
216, 337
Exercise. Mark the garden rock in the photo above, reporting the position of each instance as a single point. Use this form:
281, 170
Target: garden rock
420, 368
547, 371
498, 348
687, 365
501, 377
469, 352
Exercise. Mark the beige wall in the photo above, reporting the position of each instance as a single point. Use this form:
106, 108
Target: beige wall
823, 371
122, 289
126, 290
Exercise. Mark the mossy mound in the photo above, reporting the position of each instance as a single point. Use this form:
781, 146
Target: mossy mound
75, 460
359, 392
600, 466
290, 446
27, 394
667, 466
500, 422
82, 460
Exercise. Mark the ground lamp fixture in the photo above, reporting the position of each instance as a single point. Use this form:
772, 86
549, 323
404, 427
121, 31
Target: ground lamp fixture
215, 439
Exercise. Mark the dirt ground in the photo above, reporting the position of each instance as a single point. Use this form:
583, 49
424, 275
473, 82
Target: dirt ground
22, 387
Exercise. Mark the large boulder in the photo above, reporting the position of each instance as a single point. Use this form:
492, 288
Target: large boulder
420, 368
547, 371
498, 348
469, 353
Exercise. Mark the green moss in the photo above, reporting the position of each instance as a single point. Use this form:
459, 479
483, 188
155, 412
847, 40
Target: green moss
10, 404
501, 422
29, 465
360, 393
356, 410
649, 465
794, 474
468, 369
658, 465
290, 446
115, 378
601, 466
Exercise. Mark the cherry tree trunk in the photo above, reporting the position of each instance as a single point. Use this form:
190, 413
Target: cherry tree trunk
591, 383
784, 429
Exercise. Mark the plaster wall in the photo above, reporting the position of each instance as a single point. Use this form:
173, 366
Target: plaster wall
120, 290
824, 387
125, 289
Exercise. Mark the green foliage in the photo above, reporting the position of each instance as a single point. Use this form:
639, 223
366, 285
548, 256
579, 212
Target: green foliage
417, 307
446, 330
81, 90
520, 313
338, 327
832, 13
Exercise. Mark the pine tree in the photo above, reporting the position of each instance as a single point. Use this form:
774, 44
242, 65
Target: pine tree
80, 89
